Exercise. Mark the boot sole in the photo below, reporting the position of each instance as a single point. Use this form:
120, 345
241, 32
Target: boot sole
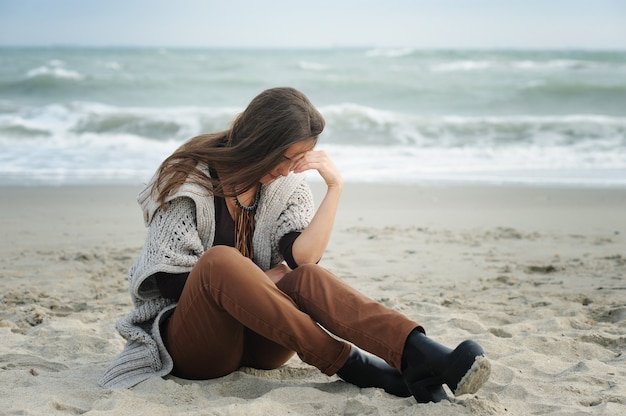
475, 377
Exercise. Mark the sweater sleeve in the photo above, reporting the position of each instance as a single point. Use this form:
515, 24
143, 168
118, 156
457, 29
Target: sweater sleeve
172, 246
286, 248
295, 217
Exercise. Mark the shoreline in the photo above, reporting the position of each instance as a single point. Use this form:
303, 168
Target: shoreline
536, 275
25, 209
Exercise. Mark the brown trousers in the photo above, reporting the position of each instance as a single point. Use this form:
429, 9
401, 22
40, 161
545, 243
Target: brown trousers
230, 314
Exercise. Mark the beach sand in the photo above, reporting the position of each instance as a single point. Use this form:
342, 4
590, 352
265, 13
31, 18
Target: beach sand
537, 276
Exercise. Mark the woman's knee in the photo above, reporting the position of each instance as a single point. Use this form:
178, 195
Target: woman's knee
312, 271
219, 256
221, 252
305, 276
226, 266
215, 262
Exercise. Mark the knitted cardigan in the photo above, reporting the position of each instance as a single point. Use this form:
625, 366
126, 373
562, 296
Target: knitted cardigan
176, 239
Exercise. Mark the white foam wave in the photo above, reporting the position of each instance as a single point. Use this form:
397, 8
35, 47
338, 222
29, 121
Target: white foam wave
347, 123
313, 66
520, 65
521, 165
356, 113
56, 120
462, 66
113, 65
360, 125
82, 159
550, 64
390, 53
54, 72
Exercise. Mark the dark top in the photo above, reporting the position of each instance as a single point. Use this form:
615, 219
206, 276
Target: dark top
171, 285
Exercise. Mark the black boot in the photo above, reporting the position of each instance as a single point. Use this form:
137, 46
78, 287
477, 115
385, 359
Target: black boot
427, 365
364, 370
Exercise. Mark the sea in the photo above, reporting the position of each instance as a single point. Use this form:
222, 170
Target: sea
98, 116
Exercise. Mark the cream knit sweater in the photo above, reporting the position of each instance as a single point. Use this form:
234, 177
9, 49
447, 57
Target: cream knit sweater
176, 239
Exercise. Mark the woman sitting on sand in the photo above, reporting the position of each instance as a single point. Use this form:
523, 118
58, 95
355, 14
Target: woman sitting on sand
211, 289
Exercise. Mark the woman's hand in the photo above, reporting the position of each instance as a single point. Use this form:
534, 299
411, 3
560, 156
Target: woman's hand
278, 272
319, 160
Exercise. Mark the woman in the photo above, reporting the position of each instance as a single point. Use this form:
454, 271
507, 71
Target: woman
211, 289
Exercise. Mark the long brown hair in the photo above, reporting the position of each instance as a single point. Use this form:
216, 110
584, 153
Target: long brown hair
258, 138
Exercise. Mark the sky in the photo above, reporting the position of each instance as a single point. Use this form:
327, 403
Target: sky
433, 24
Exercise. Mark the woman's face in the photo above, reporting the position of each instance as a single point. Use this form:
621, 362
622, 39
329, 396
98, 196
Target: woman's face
291, 157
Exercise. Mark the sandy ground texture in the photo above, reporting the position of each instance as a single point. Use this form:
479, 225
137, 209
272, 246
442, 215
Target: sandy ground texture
537, 276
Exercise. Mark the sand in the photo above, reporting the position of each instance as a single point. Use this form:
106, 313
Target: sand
536, 275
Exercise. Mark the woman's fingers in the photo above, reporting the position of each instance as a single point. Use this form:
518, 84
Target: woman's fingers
320, 161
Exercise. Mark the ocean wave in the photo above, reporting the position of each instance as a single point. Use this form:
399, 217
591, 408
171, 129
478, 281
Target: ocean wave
17, 129
465, 65
54, 72
347, 124
556, 64
402, 79
148, 124
526, 65
359, 125
112, 65
81, 159
313, 66
507, 62
100, 120
173, 123
585, 90
389, 52
42, 79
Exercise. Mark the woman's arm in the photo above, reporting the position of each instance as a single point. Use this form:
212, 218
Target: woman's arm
311, 244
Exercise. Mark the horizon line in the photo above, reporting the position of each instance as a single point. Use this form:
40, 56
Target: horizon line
330, 47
